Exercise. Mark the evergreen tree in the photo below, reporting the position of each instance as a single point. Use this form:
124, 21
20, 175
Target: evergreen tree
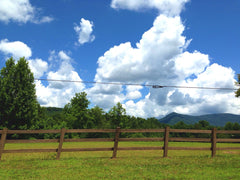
18, 102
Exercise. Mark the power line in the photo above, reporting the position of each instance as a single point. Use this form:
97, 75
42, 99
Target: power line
134, 84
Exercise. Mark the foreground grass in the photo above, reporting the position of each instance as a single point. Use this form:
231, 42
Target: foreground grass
128, 164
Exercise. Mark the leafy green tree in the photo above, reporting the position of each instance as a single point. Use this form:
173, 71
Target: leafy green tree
98, 117
180, 125
236, 126
50, 120
117, 116
204, 125
77, 112
153, 123
18, 101
228, 126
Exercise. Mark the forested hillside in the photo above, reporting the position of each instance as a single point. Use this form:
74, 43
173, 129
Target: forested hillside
213, 119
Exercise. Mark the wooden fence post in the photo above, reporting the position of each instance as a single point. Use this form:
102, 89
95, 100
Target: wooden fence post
117, 133
214, 141
166, 138
63, 130
3, 140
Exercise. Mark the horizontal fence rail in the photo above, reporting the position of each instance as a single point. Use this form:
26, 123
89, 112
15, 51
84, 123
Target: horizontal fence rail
167, 137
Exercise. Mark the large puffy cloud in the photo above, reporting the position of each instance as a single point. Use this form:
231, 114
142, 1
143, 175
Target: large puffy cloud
58, 93
160, 57
150, 59
84, 31
199, 101
169, 7
20, 11
16, 49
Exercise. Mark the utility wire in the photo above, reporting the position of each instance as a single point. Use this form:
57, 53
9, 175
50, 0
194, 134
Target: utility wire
133, 84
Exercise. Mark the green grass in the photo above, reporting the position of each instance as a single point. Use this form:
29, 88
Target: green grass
127, 165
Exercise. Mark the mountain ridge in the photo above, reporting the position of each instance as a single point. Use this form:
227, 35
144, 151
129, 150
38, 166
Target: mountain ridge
218, 119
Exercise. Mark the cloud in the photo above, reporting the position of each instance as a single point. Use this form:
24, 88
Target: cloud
150, 59
187, 64
62, 55
105, 96
44, 19
84, 31
133, 92
196, 101
16, 49
20, 11
160, 57
215, 76
168, 7
38, 67
57, 93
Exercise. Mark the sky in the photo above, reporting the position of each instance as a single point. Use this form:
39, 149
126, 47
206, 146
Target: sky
149, 42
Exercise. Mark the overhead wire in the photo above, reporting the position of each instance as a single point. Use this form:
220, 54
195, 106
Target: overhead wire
155, 86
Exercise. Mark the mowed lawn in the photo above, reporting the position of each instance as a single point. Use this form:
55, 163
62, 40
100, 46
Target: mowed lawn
127, 165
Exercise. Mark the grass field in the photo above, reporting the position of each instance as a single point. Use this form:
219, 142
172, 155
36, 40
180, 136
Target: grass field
127, 165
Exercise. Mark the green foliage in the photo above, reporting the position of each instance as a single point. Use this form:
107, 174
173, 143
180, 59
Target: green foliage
77, 113
117, 116
237, 93
99, 118
18, 102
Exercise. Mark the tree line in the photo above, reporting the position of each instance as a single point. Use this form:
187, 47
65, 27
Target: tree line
19, 109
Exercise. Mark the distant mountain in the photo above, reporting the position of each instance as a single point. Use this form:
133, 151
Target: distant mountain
213, 119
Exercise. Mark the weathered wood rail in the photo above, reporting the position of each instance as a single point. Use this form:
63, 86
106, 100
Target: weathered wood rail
166, 139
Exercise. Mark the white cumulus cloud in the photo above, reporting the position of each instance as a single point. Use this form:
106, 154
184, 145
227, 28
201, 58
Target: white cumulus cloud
84, 31
160, 57
169, 7
151, 58
188, 64
16, 49
38, 67
58, 93
20, 11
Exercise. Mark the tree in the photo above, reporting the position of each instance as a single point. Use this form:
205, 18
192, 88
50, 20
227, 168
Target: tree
228, 126
18, 101
238, 91
98, 117
77, 112
117, 116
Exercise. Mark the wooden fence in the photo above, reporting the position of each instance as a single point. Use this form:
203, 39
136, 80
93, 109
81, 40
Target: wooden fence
167, 137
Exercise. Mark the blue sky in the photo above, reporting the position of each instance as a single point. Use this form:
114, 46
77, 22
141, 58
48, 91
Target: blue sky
167, 42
